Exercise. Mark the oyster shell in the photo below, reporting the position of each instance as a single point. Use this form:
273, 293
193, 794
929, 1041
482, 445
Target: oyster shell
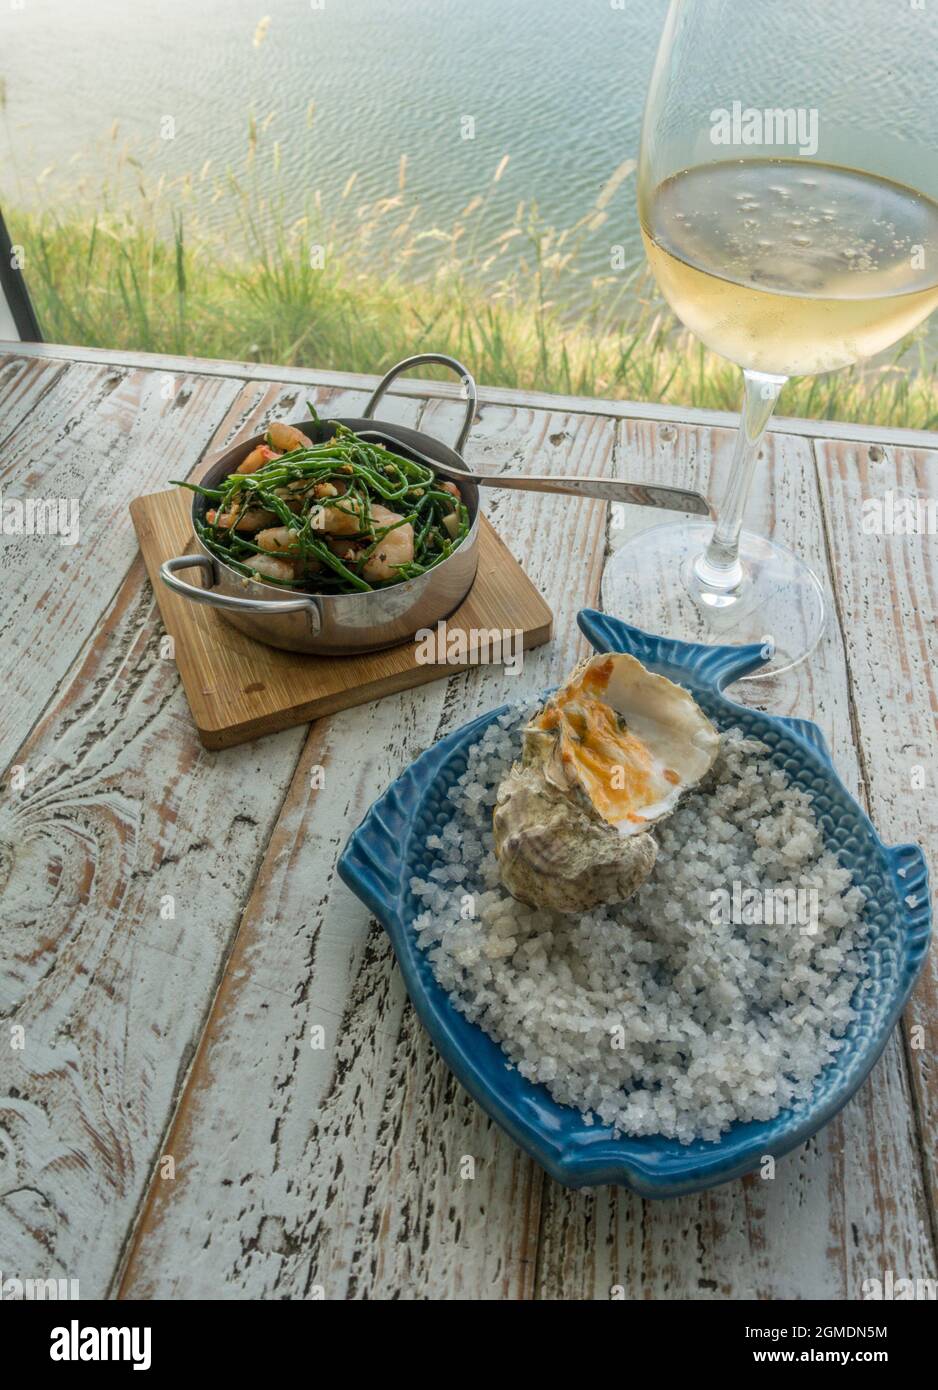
604, 761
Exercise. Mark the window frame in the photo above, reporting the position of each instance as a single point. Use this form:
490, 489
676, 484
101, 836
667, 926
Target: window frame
13, 291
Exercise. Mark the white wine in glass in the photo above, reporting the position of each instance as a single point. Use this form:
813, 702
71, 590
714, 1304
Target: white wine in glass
792, 270
783, 264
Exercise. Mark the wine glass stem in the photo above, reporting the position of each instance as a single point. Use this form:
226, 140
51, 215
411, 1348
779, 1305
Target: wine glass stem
719, 566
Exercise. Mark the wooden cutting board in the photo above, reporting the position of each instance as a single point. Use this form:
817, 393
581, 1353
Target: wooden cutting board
239, 689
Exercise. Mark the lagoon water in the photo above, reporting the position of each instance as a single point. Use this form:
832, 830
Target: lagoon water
558, 85
349, 86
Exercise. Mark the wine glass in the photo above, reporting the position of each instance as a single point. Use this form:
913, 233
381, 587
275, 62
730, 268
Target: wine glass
789, 163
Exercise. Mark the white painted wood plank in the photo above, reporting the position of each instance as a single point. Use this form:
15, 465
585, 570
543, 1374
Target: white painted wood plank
888, 595
493, 395
121, 811
23, 382
120, 808
784, 504
96, 438
340, 1168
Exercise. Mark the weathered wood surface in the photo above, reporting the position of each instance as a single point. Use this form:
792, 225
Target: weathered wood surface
98, 436
120, 810
337, 1169
23, 382
887, 588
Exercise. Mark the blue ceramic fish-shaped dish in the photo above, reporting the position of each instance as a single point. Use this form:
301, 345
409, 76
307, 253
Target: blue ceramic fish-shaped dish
389, 848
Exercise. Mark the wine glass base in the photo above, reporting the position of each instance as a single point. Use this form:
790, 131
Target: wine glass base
651, 581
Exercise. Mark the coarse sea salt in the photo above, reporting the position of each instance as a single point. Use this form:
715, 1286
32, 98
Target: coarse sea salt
656, 1016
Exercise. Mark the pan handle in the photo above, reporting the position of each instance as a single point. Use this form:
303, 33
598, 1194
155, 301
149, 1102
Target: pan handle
228, 601
438, 359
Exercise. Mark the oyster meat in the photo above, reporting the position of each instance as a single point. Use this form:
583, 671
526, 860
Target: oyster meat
606, 759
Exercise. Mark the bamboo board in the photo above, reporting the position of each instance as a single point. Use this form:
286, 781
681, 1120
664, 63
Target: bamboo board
239, 689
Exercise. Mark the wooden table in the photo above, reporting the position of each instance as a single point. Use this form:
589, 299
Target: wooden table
173, 929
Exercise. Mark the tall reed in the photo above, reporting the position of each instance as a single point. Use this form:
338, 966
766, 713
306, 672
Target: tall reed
129, 263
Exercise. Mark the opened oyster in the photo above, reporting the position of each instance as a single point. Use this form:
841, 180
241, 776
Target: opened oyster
608, 756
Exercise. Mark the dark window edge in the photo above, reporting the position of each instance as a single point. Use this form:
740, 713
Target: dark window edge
13, 284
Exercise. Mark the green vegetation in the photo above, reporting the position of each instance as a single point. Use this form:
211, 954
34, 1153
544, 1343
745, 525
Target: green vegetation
329, 499
130, 266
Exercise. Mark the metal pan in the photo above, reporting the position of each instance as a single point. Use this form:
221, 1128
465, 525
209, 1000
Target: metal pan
341, 624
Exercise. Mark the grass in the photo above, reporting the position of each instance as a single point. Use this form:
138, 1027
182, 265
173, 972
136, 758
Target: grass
129, 265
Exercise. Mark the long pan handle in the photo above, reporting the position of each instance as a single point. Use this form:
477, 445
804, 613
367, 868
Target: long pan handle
677, 499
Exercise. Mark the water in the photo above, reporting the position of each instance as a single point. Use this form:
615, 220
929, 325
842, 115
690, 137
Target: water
557, 86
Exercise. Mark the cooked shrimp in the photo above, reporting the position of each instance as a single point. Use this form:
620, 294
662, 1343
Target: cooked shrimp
282, 539
298, 493
397, 547
248, 521
294, 494
279, 538
256, 459
346, 547
269, 567
286, 438
343, 520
